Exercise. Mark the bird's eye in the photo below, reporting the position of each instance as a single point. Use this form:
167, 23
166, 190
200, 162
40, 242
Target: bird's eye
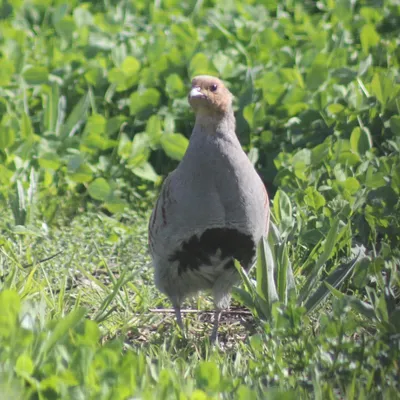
213, 88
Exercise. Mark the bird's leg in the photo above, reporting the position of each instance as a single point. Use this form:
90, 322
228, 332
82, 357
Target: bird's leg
179, 318
214, 333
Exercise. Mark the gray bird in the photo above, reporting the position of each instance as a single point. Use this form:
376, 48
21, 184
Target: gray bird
211, 210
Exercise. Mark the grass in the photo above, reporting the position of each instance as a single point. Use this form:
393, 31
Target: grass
80, 326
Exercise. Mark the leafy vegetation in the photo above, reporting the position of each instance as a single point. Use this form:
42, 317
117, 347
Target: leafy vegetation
93, 114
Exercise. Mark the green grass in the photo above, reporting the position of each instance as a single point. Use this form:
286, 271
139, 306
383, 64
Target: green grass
51, 345
93, 115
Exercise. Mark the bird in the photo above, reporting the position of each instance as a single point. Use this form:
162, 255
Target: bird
211, 210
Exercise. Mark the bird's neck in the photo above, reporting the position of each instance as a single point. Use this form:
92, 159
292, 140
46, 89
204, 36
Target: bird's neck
215, 123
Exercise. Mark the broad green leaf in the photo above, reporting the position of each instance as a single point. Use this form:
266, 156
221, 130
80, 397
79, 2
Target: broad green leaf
382, 88
175, 87
314, 199
6, 71
83, 173
283, 209
99, 189
208, 375
115, 205
144, 100
153, 128
360, 140
200, 65
130, 66
395, 125
335, 108
318, 73
140, 149
24, 365
36, 75
146, 172
126, 75
375, 179
254, 115
368, 37
10, 306
320, 153
66, 28
350, 184
7, 137
50, 161
174, 145
344, 75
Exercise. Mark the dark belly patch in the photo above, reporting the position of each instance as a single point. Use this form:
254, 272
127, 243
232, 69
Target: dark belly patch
198, 250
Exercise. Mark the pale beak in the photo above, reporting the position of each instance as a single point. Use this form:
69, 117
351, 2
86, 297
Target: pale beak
196, 93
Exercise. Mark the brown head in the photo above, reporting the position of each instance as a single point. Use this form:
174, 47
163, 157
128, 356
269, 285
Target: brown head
209, 94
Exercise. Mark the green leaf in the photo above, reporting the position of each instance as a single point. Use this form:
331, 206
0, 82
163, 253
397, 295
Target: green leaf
66, 28
7, 137
368, 37
175, 87
6, 72
36, 75
358, 305
344, 75
335, 108
99, 189
201, 65
50, 161
208, 375
318, 73
153, 128
126, 75
283, 209
382, 88
61, 328
24, 365
76, 117
328, 248
140, 150
10, 306
314, 199
265, 269
174, 145
146, 171
115, 205
334, 279
395, 125
350, 184
360, 140
130, 66
81, 174
254, 115
26, 126
375, 179
144, 101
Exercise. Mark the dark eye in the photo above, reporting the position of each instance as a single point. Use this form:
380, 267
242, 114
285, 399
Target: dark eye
213, 88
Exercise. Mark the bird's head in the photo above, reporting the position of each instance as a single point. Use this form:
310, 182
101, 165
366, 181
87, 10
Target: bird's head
209, 94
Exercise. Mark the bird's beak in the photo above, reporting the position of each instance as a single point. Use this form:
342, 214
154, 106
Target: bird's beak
196, 93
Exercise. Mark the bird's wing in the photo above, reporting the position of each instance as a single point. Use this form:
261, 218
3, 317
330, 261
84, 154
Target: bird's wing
161, 213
